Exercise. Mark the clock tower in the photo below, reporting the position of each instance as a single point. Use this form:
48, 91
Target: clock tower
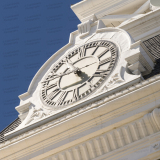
97, 98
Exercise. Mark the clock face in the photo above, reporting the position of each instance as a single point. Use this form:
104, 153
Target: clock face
79, 73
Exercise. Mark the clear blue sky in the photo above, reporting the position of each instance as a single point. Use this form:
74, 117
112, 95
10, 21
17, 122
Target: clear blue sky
31, 31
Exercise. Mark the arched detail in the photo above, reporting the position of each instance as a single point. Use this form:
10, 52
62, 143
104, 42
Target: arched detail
72, 40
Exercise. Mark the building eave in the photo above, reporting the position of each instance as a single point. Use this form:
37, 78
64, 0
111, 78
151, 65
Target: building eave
110, 103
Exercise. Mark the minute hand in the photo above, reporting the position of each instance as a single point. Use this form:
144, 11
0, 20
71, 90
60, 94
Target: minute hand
88, 65
60, 75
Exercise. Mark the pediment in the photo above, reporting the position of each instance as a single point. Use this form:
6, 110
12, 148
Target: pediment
123, 40
131, 64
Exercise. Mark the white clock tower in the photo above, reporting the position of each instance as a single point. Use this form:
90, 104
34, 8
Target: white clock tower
98, 97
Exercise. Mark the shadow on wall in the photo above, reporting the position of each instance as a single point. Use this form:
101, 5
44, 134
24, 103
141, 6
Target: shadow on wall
153, 47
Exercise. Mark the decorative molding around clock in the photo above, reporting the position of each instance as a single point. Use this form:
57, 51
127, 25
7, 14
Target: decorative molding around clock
86, 67
35, 115
115, 139
116, 35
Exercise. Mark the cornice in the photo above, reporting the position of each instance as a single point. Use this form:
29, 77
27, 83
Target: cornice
23, 108
85, 9
134, 22
143, 27
135, 143
81, 110
105, 144
92, 101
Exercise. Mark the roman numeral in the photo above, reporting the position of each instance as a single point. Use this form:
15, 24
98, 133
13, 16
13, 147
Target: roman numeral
112, 48
95, 50
102, 43
101, 54
51, 86
89, 84
105, 61
48, 102
43, 94
75, 94
61, 98
100, 73
51, 78
81, 52
54, 93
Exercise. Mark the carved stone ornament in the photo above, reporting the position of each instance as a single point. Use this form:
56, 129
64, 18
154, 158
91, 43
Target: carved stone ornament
33, 116
114, 80
36, 115
156, 146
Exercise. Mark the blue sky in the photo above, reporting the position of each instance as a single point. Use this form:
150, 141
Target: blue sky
31, 31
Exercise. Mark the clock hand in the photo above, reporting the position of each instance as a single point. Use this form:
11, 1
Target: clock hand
72, 68
88, 65
76, 70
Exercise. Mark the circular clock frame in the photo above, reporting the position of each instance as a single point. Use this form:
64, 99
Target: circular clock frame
102, 54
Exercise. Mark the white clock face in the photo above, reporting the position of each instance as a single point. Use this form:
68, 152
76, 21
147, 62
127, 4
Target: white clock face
79, 74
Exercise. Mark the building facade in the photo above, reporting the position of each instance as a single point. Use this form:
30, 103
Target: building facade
98, 97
